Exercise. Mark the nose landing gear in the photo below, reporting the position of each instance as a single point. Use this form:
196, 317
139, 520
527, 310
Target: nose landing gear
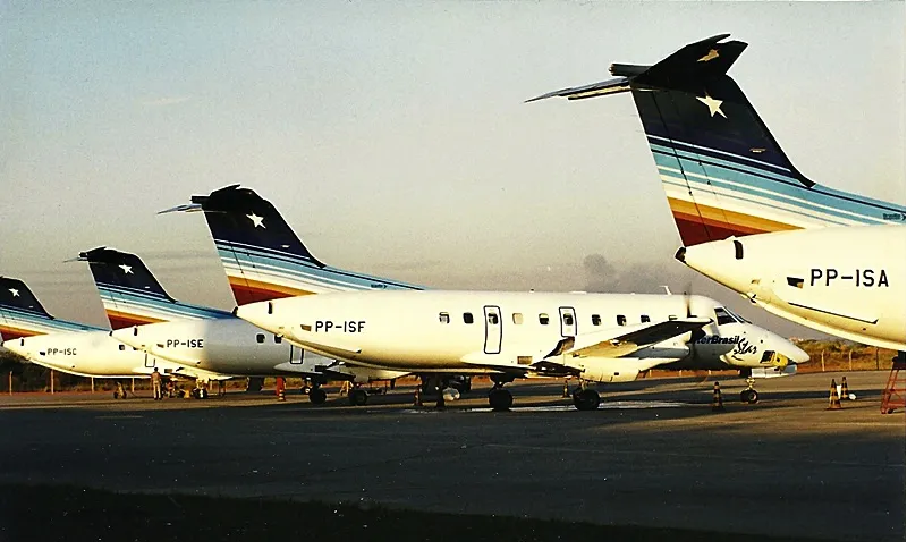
749, 396
586, 399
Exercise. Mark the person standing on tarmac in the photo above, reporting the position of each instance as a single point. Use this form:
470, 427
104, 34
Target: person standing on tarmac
155, 383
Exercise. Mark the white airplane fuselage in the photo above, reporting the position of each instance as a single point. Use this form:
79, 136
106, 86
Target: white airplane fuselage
476, 331
845, 281
234, 346
86, 353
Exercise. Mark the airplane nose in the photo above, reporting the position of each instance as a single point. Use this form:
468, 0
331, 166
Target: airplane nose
798, 355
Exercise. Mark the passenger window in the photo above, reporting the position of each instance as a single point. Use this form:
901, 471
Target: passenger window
122, 347
568, 319
259, 338
493, 318
544, 318
445, 318
621, 320
278, 339
645, 318
467, 317
517, 317
672, 317
596, 320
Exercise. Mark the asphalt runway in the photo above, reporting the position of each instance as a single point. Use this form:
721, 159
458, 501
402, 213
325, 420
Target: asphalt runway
654, 454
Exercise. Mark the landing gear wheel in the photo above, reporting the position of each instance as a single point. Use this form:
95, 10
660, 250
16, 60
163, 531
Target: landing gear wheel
358, 397
586, 399
748, 396
317, 396
500, 399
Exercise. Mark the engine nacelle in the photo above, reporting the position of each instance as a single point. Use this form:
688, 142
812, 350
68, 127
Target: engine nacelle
612, 369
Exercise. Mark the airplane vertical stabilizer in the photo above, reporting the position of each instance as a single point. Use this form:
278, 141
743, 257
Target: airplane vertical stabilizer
132, 295
22, 315
723, 172
263, 257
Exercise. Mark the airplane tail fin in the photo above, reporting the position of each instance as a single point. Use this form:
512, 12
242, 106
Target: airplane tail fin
132, 295
263, 257
723, 172
22, 315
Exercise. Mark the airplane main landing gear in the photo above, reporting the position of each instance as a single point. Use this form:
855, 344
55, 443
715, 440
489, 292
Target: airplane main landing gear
749, 395
317, 395
500, 399
358, 397
586, 399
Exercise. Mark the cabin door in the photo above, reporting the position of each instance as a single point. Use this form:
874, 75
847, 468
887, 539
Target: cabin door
493, 329
567, 322
296, 359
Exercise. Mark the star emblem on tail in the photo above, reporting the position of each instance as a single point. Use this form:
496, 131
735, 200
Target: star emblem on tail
713, 105
257, 221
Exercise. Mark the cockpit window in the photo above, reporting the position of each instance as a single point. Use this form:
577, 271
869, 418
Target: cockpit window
723, 317
726, 316
738, 317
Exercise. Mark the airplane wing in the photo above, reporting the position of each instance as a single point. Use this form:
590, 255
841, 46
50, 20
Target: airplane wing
625, 340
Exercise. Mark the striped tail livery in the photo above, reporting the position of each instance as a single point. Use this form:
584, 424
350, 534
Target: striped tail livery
262, 256
22, 315
132, 295
723, 172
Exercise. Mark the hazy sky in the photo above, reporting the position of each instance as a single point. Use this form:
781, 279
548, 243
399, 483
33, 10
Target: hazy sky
394, 137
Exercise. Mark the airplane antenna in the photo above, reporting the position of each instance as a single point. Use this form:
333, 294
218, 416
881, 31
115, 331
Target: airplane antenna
666, 289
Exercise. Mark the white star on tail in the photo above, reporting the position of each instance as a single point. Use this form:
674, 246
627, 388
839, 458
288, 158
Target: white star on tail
126, 269
712, 54
14, 291
256, 220
713, 105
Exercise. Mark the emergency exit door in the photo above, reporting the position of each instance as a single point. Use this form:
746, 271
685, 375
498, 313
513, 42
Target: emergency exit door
567, 322
493, 329
149, 360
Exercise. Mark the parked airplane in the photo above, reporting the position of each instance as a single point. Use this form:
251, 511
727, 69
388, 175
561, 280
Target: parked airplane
29, 330
747, 217
197, 338
598, 337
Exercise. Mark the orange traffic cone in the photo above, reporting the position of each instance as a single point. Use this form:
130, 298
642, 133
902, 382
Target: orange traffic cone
717, 401
834, 400
844, 388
